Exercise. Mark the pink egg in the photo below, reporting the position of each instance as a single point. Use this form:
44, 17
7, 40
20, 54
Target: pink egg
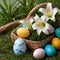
51, 30
39, 53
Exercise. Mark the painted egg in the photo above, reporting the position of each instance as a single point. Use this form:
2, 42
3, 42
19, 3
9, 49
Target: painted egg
56, 43
57, 32
19, 46
24, 25
23, 32
50, 50
51, 30
39, 53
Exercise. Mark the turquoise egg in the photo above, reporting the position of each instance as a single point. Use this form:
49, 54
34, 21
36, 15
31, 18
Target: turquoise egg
24, 25
57, 32
50, 50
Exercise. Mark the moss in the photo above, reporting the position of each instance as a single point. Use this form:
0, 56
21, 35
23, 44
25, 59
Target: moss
35, 37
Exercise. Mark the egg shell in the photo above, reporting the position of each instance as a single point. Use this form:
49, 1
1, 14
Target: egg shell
24, 25
19, 46
50, 50
23, 32
57, 32
51, 30
56, 42
39, 53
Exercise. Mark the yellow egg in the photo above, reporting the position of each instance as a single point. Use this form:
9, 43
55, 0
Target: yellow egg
23, 32
56, 43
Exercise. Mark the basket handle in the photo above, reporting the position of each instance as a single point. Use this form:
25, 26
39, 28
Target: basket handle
36, 7
7, 26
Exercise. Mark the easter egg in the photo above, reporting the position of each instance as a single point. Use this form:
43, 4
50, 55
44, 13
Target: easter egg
51, 30
57, 32
19, 46
39, 53
56, 43
24, 25
50, 50
23, 32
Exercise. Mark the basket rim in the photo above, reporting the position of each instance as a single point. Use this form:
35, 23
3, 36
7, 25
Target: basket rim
12, 33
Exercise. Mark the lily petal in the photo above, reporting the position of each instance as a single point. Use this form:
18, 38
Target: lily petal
36, 17
49, 6
53, 18
42, 10
31, 20
47, 26
34, 26
45, 31
38, 31
55, 10
22, 21
43, 18
47, 19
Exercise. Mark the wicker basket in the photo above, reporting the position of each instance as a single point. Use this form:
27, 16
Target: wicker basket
33, 44
30, 44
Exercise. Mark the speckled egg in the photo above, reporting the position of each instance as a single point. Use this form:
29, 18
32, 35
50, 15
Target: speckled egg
50, 50
19, 46
23, 32
39, 53
57, 32
56, 42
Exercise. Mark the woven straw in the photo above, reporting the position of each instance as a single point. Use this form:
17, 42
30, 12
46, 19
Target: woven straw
5, 27
33, 44
30, 44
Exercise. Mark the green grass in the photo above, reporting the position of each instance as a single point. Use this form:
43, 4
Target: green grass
6, 45
6, 48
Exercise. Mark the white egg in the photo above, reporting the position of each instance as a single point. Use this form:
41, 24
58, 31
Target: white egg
39, 53
19, 46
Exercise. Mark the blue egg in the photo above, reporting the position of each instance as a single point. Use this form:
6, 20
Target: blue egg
57, 32
50, 50
19, 46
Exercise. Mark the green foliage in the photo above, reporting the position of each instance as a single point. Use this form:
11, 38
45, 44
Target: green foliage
9, 11
16, 9
12, 10
6, 51
34, 37
26, 6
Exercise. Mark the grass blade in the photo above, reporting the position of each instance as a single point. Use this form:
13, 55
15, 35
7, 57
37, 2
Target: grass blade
5, 3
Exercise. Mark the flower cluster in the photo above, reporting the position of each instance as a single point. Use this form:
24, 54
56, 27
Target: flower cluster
40, 24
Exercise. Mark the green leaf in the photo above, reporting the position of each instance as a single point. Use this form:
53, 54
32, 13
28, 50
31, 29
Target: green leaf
20, 15
2, 14
14, 8
3, 10
9, 9
5, 3
31, 4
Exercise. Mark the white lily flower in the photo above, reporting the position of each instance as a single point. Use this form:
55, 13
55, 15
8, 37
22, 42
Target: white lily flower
27, 24
49, 12
41, 25
24, 21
